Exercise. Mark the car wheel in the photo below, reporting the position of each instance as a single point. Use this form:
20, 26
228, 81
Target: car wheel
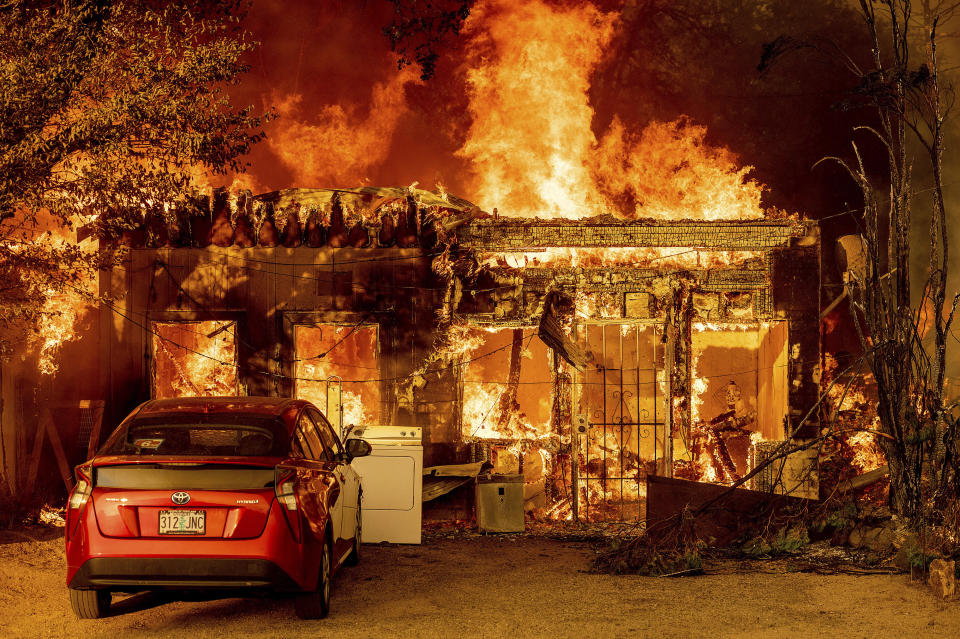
354, 558
316, 604
90, 604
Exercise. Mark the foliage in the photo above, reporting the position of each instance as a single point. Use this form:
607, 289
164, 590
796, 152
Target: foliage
917, 559
107, 109
419, 29
671, 548
783, 542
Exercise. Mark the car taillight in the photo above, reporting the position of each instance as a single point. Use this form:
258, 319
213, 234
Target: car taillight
284, 490
79, 497
81, 492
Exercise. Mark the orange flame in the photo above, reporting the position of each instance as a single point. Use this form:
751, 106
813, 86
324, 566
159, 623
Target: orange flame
62, 310
340, 146
531, 143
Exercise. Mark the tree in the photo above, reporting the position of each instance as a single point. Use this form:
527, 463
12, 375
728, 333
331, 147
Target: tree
903, 87
419, 29
107, 109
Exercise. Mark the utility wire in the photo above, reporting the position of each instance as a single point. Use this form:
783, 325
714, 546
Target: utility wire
456, 364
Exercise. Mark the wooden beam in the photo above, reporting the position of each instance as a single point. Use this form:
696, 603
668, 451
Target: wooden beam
46, 419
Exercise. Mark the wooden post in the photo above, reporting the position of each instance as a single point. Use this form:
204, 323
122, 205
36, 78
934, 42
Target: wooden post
670, 366
508, 400
34, 466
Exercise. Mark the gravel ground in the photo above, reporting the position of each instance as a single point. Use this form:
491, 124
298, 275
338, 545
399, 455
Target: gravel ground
496, 586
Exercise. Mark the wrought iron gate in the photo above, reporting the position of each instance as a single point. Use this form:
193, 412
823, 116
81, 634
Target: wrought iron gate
619, 434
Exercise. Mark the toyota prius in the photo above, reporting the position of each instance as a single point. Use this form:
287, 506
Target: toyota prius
217, 493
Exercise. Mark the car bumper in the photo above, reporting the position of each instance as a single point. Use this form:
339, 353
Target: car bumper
178, 572
273, 560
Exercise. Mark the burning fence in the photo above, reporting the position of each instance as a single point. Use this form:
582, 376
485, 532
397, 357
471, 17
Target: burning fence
583, 354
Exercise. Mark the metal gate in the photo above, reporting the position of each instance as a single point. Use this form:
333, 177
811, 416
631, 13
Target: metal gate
619, 431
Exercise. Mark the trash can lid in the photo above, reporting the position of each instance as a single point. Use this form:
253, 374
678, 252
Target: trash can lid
494, 478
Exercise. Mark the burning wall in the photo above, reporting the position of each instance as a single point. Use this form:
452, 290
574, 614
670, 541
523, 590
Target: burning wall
435, 334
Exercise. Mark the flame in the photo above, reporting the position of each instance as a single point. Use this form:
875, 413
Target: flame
867, 454
327, 352
62, 309
338, 145
194, 359
485, 375
855, 410
669, 172
528, 73
636, 257
61, 312
533, 151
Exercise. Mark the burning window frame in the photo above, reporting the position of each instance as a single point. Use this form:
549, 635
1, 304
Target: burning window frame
350, 321
229, 322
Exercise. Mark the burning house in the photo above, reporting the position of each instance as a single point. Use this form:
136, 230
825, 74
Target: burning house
584, 354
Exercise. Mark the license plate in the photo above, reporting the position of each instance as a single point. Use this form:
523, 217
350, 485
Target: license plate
183, 522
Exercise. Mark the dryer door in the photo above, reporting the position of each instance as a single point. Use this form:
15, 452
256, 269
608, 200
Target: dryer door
388, 481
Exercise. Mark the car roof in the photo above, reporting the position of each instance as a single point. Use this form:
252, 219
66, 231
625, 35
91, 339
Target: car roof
265, 406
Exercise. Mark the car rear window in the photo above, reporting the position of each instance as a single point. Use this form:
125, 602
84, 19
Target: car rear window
184, 437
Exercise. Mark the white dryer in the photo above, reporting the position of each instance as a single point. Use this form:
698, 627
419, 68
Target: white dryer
391, 478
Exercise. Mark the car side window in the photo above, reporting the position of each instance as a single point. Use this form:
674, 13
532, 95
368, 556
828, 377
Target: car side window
326, 432
321, 452
301, 442
296, 447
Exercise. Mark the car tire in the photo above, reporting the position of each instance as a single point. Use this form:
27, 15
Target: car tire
354, 557
316, 603
90, 604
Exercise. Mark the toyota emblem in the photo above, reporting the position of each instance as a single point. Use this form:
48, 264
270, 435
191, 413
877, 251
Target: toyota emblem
180, 498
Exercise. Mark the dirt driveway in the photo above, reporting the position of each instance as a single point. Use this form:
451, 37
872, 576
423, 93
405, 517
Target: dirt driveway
492, 587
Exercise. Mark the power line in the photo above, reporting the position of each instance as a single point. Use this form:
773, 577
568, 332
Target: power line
281, 375
436, 370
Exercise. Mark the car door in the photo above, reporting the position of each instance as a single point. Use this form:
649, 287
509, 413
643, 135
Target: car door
314, 481
348, 477
330, 492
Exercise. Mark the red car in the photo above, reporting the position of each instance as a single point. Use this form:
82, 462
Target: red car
218, 493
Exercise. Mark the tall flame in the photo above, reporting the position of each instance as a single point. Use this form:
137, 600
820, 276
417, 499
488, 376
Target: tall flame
528, 76
338, 145
531, 143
